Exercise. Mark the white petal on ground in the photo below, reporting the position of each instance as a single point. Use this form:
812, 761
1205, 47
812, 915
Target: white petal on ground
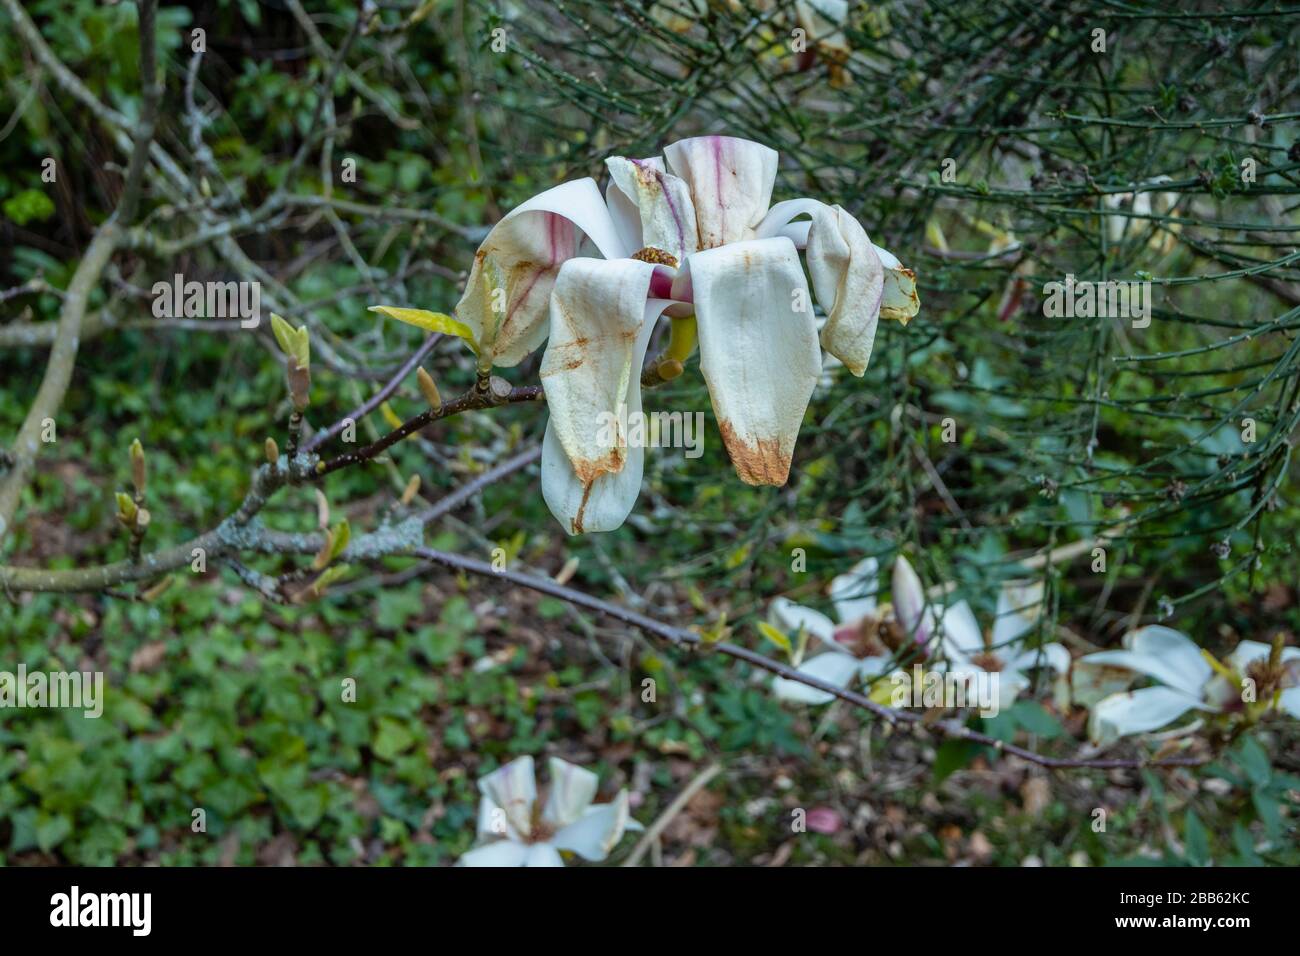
1053, 655
543, 854
1020, 604
833, 667
572, 789
1289, 702
1138, 711
854, 593
758, 352
1162, 653
962, 638
846, 275
606, 503
788, 617
500, 853
493, 823
521, 256
1247, 652
730, 182
663, 202
597, 311
513, 788
598, 830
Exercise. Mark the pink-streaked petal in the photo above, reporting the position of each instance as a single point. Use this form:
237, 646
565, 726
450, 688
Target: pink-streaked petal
666, 214
507, 299
730, 182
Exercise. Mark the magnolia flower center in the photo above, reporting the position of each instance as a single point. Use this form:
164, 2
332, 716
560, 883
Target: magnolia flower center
861, 638
656, 256
987, 661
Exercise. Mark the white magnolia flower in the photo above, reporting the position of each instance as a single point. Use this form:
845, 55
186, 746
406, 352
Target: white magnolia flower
1005, 653
690, 232
1189, 679
854, 597
513, 831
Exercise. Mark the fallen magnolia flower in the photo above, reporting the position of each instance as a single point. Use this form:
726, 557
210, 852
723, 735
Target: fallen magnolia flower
690, 235
1189, 679
860, 645
1005, 654
848, 646
513, 832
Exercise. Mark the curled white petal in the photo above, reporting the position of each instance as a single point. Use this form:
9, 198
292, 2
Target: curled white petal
506, 300
597, 831
847, 276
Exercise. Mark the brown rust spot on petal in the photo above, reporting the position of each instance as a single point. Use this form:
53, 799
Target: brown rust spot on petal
757, 463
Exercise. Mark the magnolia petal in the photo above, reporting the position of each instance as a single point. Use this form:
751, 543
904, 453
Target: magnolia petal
1181, 663
663, 203
513, 788
1020, 604
500, 853
789, 618
1053, 656
758, 352
1137, 712
572, 790
543, 854
597, 831
854, 593
605, 503
824, 21
730, 181
493, 823
962, 637
899, 299
506, 301
909, 601
832, 667
1248, 652
597, 311
1289, 702
846, 273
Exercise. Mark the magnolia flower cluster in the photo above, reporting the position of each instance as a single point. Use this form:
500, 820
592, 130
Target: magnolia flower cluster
949, 638
691, 235
1255, 680
515, 830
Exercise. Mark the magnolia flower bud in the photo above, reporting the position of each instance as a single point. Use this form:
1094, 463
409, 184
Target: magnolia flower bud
272, 451
429, 389
138, 467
